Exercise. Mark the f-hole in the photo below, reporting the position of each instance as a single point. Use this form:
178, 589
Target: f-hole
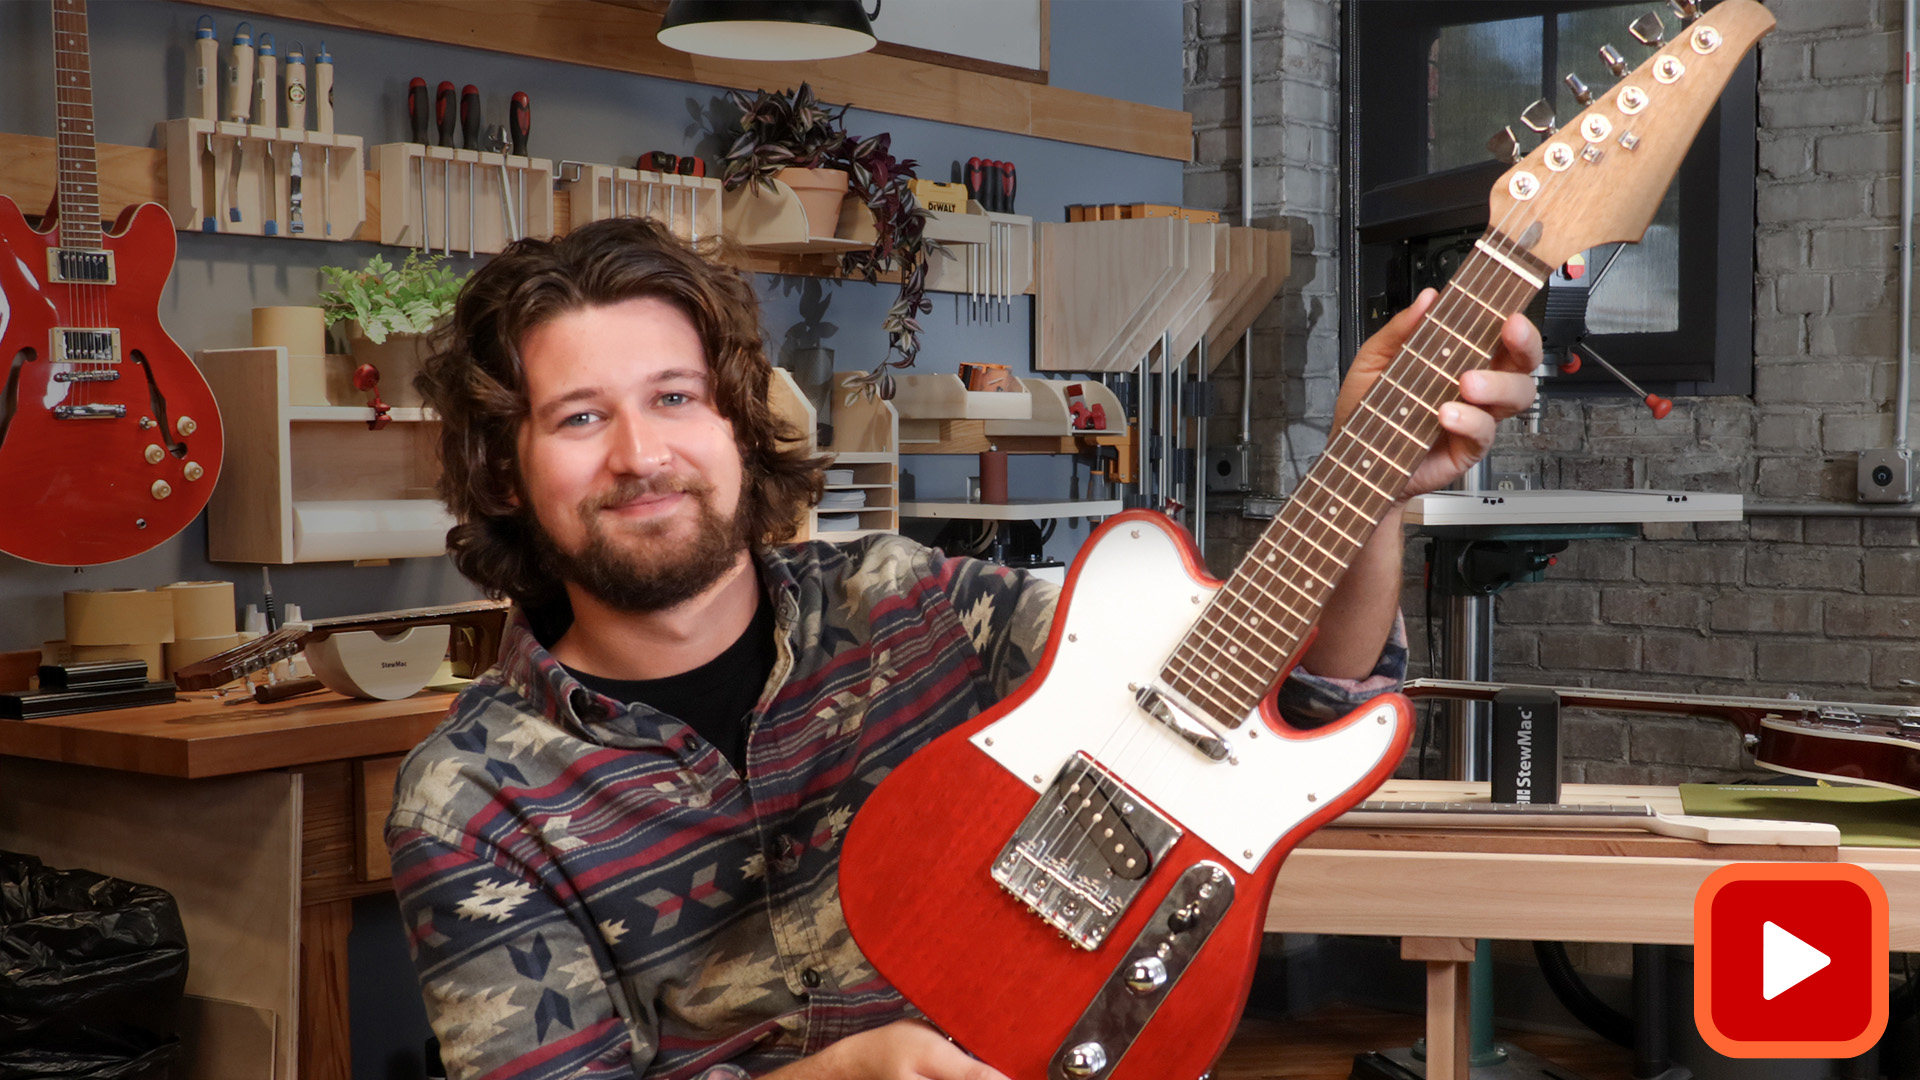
11, 403
175, 446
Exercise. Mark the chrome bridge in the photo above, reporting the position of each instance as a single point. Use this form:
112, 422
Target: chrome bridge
89, 412
1083, 853
1146, 974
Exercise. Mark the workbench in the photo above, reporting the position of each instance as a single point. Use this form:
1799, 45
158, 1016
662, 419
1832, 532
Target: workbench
263, 821
1559, 885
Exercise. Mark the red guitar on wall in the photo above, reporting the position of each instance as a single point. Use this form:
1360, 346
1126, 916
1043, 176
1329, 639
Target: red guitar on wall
1074, 884
109, 438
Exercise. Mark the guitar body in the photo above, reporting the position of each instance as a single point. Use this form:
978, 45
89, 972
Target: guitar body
78, 492
915, 877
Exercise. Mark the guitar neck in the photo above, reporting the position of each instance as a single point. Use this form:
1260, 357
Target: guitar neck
1746, 713
78, 193
475, 643
1260, 618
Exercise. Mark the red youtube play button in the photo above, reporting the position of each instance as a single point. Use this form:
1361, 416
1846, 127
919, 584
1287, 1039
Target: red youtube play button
1790, 960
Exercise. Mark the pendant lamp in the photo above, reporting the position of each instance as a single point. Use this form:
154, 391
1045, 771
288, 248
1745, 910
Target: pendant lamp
768, 29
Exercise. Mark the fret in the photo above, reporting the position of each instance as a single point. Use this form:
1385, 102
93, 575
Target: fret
1387, 420
1471, 295
78, 190
1358, 475
1212, 674
1310, 542
1344, 535
1537, 282
1443, 372
1463, 339
1250, 626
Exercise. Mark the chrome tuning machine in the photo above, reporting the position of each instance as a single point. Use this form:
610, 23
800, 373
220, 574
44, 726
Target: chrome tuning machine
1649, 30
1504, 147
1538, 116
1616, 63
1580, 92
1687, 10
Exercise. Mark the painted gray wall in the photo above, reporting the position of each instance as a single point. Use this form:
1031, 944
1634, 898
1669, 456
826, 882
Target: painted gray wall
1124, 48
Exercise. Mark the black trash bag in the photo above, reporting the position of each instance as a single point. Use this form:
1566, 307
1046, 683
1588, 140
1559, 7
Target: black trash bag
92, 970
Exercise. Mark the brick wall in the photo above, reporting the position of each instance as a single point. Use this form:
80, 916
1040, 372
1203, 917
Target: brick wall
1821, 606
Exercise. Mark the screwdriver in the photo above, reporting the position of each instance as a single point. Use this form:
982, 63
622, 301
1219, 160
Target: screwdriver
443, 112
419, 114
470, 139
519, 126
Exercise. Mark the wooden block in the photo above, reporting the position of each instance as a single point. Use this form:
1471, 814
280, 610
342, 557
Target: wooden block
1449, 1021
17, 669
326, 1046
1452, 950
373, 780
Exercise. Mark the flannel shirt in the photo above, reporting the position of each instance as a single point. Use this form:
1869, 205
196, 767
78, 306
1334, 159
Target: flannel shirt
588, 887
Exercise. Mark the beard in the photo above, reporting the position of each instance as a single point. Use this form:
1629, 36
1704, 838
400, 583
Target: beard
641, 567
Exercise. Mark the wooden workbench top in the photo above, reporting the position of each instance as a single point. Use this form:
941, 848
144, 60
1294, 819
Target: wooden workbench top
198, 735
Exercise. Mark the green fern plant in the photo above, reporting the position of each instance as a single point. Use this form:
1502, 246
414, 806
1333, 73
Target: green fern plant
385, 299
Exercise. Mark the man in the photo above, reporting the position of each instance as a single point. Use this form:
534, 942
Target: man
618, 854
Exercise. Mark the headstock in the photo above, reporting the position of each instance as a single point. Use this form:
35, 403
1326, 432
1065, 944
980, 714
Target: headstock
1600, 177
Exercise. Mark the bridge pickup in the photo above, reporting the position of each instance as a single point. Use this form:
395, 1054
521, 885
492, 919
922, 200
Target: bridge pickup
1083, 853
85, 345
89, 412
79, 266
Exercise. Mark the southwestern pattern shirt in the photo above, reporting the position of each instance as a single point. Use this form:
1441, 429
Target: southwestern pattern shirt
590, 889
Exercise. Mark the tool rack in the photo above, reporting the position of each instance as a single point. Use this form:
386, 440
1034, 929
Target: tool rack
200, 158
689, 206
467, 196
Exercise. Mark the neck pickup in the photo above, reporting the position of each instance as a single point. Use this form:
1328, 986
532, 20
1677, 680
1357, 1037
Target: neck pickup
79, 266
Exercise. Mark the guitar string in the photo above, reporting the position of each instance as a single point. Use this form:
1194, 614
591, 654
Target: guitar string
1165, 751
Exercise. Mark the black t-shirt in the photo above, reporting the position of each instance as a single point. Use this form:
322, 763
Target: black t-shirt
715, 698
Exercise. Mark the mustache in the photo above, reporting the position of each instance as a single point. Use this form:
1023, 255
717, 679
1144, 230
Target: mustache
639, 487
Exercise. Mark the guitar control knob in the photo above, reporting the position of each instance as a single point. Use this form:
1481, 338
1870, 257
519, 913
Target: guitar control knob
154, 454
162, 489
193, 471
1084, 1060
1146, 975
185, 426
1616, 63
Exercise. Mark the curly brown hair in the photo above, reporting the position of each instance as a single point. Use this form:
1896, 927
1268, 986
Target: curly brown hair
476, 382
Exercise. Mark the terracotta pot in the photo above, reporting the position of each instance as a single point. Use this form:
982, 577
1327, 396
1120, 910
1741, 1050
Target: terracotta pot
820, 192
399, 359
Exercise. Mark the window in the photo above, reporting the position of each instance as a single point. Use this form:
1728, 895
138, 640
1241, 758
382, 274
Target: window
1428, 83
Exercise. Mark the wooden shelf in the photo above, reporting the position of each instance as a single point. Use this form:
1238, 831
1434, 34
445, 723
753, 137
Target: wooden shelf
869, 432
1011, 510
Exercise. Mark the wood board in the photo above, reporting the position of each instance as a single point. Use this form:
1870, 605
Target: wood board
1086, 272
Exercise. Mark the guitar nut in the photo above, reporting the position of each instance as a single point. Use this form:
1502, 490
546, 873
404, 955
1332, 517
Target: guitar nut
154, 454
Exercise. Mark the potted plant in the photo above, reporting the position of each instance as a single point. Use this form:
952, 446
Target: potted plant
790, 137
388, 311
782, 130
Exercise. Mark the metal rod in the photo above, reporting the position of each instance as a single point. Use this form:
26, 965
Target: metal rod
1200, 450
1176, 382
1165, 486
1141, 396
1906, 238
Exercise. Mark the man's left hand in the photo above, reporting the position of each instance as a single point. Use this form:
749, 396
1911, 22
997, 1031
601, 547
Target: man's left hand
1487, 396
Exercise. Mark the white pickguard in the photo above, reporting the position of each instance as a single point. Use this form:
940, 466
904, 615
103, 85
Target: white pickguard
1130, 607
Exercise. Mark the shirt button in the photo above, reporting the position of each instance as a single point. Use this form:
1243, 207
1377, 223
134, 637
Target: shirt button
811, 977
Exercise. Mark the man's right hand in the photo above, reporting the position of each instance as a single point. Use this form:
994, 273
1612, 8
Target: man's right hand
903, 1050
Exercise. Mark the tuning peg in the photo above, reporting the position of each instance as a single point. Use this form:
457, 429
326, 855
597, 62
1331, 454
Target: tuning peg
1616, 63
1687, 10
1504, 147
1538, 116
1649, 30
1580, 92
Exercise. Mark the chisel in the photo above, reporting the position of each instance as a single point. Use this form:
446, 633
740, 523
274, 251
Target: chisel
295, 224
496, 141
239, 107
323, 122
203, 81
443, 112
419, 114
470, 140
266, 107
297, 120
519, 127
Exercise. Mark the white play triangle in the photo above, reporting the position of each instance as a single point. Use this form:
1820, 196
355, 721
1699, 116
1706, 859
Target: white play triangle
1785, 961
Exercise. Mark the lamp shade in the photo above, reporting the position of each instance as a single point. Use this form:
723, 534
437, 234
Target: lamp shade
767, 29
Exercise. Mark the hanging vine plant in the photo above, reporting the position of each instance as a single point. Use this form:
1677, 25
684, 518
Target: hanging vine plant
793, 129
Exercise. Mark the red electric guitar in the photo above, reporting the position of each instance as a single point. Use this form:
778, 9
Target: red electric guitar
109, 437
1074, 884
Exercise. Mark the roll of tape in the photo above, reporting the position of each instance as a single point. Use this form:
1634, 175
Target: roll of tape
152, 654
201, 609
302, 331
186, 651
119, 617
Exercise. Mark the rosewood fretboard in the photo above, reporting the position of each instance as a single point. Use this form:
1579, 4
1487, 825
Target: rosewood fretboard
1259, 618
79, 183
